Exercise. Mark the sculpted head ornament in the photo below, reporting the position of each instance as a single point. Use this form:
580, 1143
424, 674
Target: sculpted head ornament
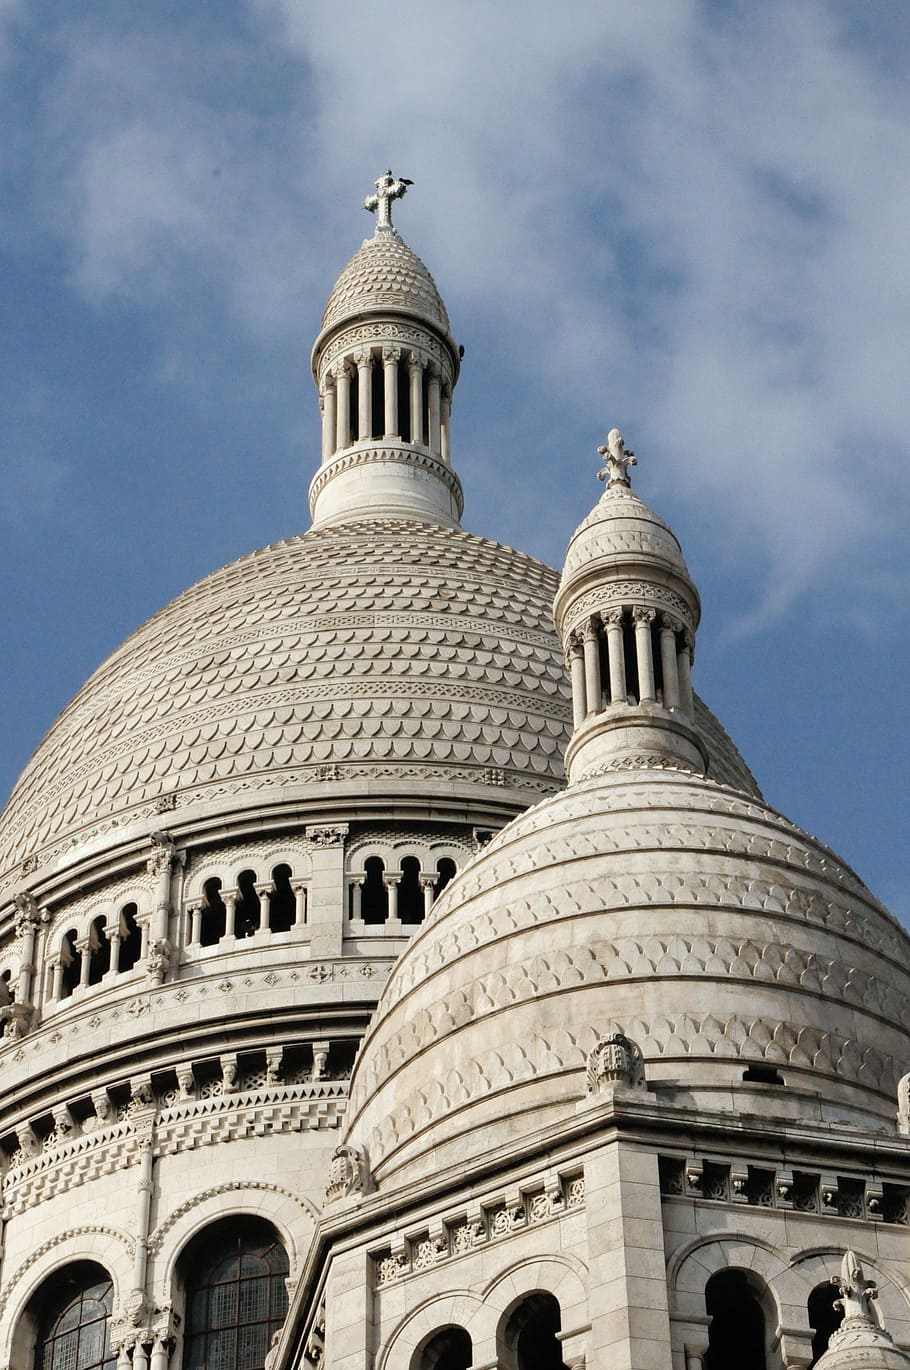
617, 460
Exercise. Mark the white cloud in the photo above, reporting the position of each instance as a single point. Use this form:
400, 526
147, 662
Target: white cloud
700, 209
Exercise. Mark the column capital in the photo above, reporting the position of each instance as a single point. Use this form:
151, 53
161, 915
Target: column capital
688, 640
613, 617
391, 354
332, 835
416, 361
363, 357
669, 623
164, 857
643, 616
340, 370
589, 630
27, 915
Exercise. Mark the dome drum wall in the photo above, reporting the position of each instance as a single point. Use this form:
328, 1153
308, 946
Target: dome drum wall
393, 475
704, 927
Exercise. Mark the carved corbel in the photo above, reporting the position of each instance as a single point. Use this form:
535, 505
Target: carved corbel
229, 1072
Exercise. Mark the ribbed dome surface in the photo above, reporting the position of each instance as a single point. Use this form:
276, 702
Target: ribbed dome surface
701, 924
621, 524
385, 274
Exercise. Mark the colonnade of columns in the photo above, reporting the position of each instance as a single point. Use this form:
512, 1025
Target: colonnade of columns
231, 898
428, 407
85, 948
602, 675
391, 882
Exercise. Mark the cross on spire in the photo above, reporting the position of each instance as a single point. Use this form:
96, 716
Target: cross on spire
380, 204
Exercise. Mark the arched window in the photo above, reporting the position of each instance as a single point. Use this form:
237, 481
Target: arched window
70, 1320
737, 1331
445, 871
214, 914
130, 937
236, 1294
249, 905
374, 906
528, 1340
410, 895
824, 1318
448, 1349
71, 961
282, 901
99, 951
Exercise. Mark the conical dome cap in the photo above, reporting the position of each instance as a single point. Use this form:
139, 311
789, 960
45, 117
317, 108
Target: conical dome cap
384, 274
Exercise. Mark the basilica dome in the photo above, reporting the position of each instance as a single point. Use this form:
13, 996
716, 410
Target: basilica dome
385, 274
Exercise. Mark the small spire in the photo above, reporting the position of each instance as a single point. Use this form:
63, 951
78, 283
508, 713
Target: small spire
856, 1292
617, 460
380, 204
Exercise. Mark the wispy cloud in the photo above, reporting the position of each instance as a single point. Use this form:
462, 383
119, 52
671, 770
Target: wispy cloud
694, 213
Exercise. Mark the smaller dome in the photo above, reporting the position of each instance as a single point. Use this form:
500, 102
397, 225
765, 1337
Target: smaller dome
385, 274
621, 526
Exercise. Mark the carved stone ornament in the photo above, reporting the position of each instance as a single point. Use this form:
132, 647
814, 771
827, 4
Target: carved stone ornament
388, 188
159, 956
163, 856
862, 1338
348, 1173
616, 1060
329, 836
27, 915
617, 460
903, 1105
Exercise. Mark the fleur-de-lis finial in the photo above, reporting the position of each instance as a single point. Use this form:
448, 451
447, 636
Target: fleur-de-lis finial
380, 204
617, 460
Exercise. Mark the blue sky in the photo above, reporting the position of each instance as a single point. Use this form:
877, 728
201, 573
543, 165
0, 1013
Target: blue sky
687, 219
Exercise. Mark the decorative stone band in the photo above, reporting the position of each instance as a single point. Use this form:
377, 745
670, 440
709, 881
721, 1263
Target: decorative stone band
564, 1052
393, 333
403, 455
620, 593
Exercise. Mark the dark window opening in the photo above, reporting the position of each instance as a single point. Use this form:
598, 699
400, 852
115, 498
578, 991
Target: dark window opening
760, 1187
445, 871
282, 901
763, 1075
248, 910
73, 1311
824, 1318
72, 964
377, 428
657, 658
404, 401
353, 392
374, 902
410, 895
631, 657
737, 1333
448, 1349
236, 1295
130, 937
99, 951
214, 914
531, 1340
423, 436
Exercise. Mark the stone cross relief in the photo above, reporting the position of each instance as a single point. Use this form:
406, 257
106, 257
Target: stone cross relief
617, 460
387, 190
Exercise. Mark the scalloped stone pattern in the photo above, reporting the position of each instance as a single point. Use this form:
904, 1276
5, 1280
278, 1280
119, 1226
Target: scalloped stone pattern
385, 273
698, 921
621, 522
394, 649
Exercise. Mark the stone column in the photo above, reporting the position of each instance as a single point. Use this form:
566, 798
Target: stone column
84, 948
196, 925
326, 889
415, 376
57, 988
27, 919
364, 360
593, 689
161, 1353
392, 887
434, 410
391, 356
685, 648
668, 627
342, 373
357, 899
114, 938
427, 884
445, 449
616, 656
576, 665
630, 1318
144, 935
643, 618
230, 912
299, 904
329, 419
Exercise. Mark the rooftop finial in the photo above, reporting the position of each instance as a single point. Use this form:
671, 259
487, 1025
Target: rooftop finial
380, 204
617, 460
856, 1292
